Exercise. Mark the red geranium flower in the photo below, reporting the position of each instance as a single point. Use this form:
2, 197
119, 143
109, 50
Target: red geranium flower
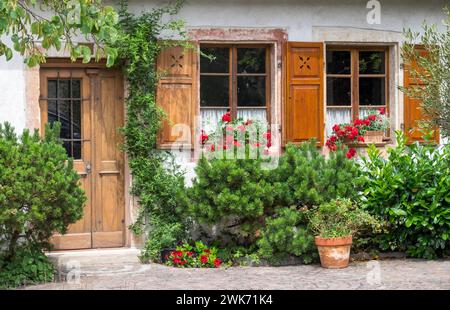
358, 122
248, 122
204, 259
336, 128
340, 133
333, 139
237, 143
176, 261
207, 251
189, 253
333, 147
351, 153
212, 148
372, 117
267, 135
204, 137
217, 262
226, 117
360, 139
366, 122
382, 111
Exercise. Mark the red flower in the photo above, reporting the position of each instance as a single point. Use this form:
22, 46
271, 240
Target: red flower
267, 135
382, 111
248, 122
333, 139
333, 147
241, 128
207, 251
269, 144
229, 128
189, 253
257, 144
226, 117
351, 153
372, 117
340, 133
225, 147
212, 148
237, 143
204, 259
336, 128
360, 139
217, 262
366, 122
204, 137
176, 261
358, 122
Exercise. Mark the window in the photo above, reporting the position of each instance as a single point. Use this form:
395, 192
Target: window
64, 106
236, 80
356, 83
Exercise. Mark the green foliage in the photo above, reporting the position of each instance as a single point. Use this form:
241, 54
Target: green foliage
410, 190
434, 74
156, 180
305, 177
287, 233
339, 218
26, 23
27, 267
232, 193
39, 195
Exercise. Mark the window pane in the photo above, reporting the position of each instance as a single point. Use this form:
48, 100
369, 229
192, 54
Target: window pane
51, 89
64, 89
76, 150
338, 91
52, 113
68, 146
64, 118
337, 116
251, 60
251, 91
76, 119
221, 62
338, 62
371, 91
371, 62
214, 91
76, 88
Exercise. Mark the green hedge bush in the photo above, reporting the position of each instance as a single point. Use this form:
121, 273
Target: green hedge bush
410, 189
39, 195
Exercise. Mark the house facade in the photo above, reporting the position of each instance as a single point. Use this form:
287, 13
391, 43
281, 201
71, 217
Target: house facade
300, 65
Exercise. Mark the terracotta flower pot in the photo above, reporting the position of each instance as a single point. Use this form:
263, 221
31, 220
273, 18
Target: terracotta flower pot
373, 136
334, 252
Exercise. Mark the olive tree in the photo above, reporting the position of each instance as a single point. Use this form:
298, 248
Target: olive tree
433, 70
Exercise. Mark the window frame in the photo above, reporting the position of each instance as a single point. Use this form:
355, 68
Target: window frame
233, 76
355, 75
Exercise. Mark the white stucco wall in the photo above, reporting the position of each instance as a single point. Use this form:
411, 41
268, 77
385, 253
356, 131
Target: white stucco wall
12, 92
299, 17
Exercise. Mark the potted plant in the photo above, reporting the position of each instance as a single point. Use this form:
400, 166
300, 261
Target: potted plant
373, 126
334, 224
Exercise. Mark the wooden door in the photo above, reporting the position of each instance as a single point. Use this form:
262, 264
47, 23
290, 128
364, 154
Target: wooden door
89, 105
413, 112
304, 88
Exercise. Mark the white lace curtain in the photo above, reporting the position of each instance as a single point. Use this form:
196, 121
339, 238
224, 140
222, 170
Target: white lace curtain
211, 116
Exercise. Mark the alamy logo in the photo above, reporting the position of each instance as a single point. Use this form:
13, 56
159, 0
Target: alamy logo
374, 15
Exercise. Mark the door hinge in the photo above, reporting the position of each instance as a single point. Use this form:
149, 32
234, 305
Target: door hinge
88, 167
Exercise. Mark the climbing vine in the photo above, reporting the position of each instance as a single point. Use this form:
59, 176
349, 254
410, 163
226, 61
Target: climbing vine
157, 182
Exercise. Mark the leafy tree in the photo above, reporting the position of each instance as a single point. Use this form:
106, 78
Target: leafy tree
54, 23
434, 72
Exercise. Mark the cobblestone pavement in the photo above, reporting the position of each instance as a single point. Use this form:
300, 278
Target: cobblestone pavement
393, 274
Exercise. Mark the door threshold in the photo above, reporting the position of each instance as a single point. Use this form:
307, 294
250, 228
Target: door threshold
93, 252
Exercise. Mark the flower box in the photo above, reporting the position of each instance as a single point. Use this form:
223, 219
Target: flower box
373, 136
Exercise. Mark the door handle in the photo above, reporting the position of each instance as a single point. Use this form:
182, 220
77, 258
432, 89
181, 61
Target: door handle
88, 167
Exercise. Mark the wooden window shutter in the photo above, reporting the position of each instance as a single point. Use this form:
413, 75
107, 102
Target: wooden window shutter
177, 95
304, 92
413, 113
